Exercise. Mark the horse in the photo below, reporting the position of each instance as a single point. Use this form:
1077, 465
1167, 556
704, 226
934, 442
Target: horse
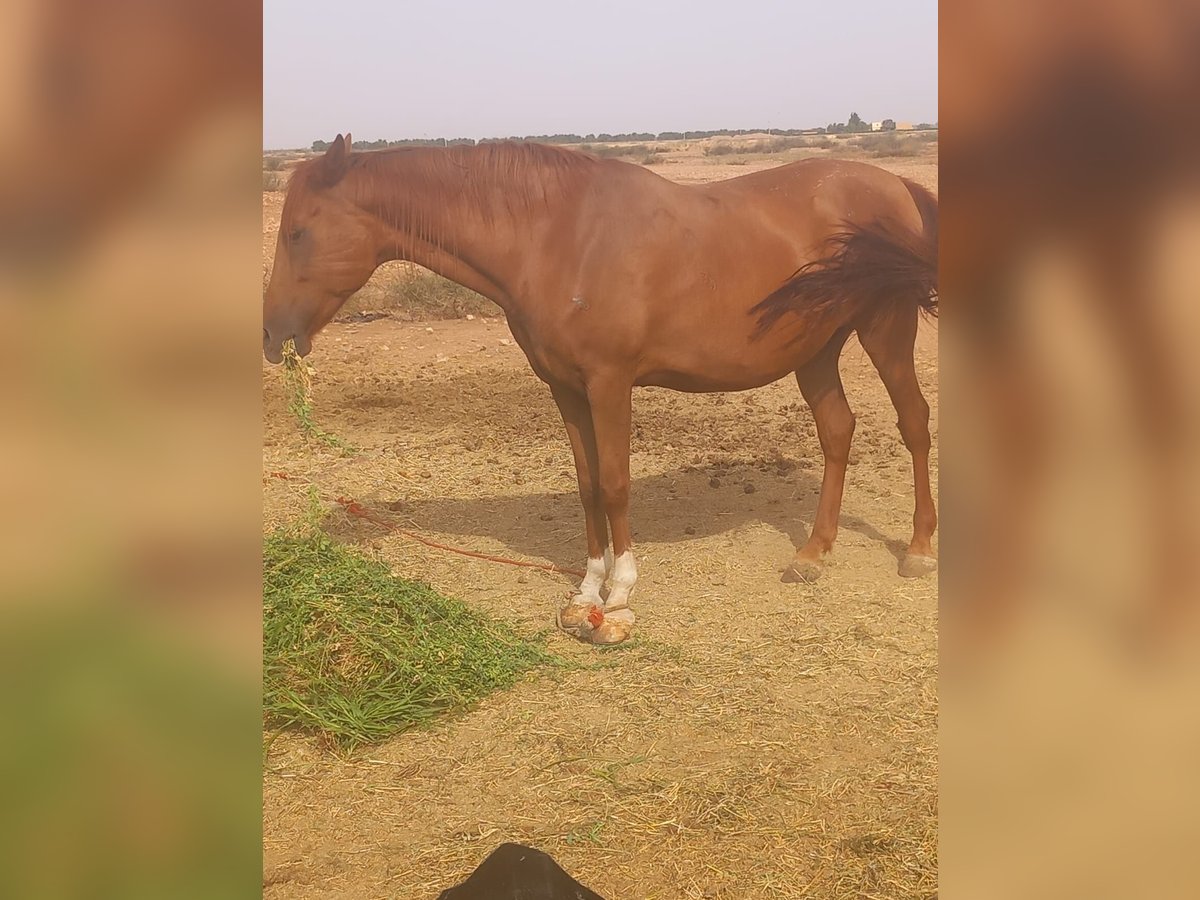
612, 277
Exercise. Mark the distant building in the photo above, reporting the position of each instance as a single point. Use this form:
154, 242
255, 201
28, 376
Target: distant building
904, 126
877, 126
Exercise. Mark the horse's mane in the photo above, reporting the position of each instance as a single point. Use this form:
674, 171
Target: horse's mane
508, 154
431, 194
491, 179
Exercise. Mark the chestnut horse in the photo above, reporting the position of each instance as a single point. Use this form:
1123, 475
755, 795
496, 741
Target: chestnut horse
612, 277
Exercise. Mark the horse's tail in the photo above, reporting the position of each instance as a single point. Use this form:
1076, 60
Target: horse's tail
868, 269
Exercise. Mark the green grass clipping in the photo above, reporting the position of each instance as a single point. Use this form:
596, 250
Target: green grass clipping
298, 385
357, 655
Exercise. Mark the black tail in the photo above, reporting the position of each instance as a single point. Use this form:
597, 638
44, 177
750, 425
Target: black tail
869, 267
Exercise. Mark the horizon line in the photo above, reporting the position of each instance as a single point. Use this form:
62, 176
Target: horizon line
625, 136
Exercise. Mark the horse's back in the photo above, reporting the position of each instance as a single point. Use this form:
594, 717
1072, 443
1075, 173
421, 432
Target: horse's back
832, 191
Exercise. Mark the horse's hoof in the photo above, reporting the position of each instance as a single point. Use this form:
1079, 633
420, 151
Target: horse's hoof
607, 628
801, 571
596, 626
611, 632
914, 565
573, 616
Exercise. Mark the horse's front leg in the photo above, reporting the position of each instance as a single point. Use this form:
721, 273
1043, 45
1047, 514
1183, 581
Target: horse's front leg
598, 426
611, 401
577, 417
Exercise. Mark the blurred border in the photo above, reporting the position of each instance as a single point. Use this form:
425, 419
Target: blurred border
1070, 199
130, 297
130, 291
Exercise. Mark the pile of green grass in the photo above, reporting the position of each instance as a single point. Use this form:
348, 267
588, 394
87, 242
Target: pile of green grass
356, 654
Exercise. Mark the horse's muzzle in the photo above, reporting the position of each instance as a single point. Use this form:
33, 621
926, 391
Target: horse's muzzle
272, 349
273, 345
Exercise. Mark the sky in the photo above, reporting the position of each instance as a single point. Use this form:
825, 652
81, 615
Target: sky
469, 68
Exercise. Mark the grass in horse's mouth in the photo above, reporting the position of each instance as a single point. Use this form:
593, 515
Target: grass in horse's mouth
355, 654
298, 384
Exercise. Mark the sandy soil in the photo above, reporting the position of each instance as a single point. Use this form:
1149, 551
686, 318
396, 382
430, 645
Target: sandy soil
758, 739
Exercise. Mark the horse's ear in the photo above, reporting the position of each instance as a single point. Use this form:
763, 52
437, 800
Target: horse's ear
336, 160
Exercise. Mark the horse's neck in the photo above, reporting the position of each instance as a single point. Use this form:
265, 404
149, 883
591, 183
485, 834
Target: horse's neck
471, 216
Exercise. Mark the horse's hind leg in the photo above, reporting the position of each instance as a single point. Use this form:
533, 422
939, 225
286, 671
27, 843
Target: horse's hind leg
889, 341
821, 384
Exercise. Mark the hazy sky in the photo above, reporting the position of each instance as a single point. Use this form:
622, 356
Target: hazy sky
399, 69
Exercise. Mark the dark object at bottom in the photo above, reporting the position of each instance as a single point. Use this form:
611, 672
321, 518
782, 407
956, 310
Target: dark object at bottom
513, 872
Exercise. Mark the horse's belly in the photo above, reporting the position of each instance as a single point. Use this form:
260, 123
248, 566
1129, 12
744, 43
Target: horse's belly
707, 382
734, 361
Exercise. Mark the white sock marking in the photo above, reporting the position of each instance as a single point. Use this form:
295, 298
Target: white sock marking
589, 589
624, 577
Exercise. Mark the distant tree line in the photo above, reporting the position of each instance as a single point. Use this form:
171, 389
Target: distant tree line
853, 126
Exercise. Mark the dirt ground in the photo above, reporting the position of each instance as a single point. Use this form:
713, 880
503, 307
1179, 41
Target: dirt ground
757, 739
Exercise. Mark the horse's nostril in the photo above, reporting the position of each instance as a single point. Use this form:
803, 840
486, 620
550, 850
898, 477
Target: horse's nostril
266, 335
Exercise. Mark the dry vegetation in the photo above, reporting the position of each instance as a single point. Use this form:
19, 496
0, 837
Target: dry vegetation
882, 145
409, 293
755, 740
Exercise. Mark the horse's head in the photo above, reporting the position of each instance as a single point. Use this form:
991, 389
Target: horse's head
327, 249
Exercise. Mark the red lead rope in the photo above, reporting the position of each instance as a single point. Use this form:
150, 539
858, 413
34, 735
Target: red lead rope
354, 508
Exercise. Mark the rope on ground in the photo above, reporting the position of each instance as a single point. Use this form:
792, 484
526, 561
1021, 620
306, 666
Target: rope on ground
354, 508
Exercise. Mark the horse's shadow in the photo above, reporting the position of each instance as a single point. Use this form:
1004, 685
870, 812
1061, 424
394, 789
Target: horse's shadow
674, 507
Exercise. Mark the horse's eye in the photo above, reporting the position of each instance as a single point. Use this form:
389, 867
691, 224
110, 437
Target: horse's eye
297, 234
